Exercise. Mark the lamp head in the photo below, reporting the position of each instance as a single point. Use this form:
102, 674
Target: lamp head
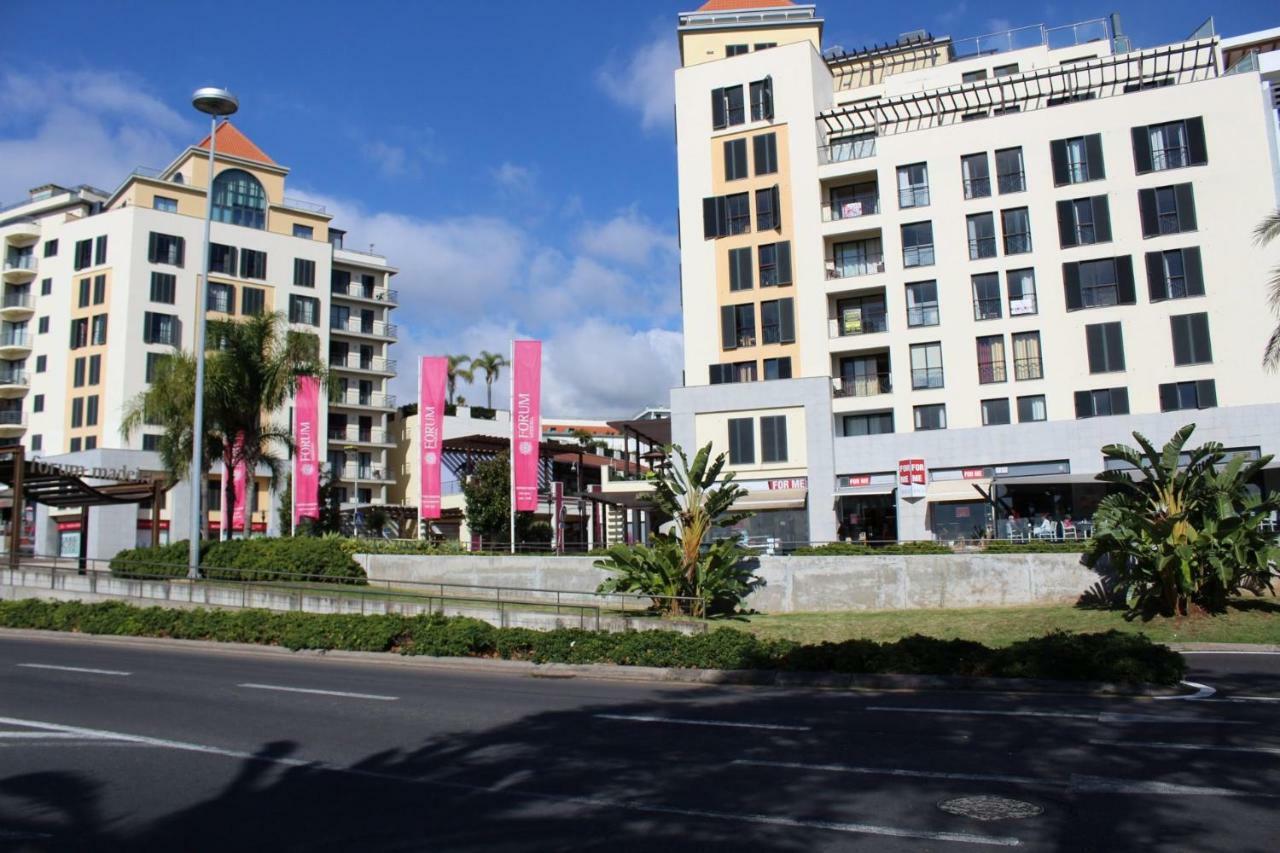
214, 101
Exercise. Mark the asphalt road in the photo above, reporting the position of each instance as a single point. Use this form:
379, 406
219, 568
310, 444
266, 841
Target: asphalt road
112, 746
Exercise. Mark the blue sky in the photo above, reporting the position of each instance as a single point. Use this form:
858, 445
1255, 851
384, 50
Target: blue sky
496, 151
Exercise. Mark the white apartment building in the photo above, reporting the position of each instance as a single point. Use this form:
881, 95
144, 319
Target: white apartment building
990, 257
97, 286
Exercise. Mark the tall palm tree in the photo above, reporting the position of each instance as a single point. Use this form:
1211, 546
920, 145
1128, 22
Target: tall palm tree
491, 363
1268, 230
457, 369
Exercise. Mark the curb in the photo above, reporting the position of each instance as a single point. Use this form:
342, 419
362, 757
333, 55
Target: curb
637, 674
1243, 648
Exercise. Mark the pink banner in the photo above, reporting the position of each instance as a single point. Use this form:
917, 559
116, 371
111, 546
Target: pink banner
432, 379
239, 479
306, 454
526, 421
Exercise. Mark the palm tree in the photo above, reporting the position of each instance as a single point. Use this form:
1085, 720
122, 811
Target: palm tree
1268, 230
457, 370
491, 363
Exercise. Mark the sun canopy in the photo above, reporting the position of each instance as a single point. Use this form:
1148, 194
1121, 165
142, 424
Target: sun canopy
772, 499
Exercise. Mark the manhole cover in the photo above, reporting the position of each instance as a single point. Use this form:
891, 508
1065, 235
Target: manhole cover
990, 808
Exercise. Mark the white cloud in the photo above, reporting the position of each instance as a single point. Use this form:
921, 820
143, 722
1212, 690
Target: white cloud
644, 81
391, 160
629, 238
514, 177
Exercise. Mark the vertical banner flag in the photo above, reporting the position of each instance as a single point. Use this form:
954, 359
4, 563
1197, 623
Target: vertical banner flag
238, 481
432, 378
526, 422
306, 460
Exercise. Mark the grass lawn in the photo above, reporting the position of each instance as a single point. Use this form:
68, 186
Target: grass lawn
1249, 620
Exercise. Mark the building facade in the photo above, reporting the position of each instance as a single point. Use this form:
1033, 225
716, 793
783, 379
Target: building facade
99, 286
984, 258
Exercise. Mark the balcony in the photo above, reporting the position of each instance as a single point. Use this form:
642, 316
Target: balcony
862, 385
354, 434
369, 400
19, 269
353, 471
854, 267
14, 344
355, 361
384, 295
16, 305
14, 383
12, 423
358, 326
843, 210
21, 233
854, 323
845, 149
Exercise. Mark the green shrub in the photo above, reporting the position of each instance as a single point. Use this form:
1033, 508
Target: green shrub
1112, 656
857, 549
401, 546
258, 559
1000, 546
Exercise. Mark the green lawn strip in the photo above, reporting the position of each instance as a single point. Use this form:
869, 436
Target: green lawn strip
1248, 620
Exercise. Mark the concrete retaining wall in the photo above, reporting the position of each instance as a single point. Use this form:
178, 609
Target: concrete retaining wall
796, 584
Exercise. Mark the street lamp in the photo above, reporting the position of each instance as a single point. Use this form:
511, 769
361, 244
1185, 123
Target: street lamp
215, 103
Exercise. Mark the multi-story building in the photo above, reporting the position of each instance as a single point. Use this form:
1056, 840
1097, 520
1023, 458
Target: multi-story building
986, 258
98, 286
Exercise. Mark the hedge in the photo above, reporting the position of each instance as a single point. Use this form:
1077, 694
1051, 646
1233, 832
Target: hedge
1000, 546
260, 559
401, 546
857, 549
1113, 656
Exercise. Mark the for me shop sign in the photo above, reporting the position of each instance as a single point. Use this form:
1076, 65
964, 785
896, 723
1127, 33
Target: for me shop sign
912, 476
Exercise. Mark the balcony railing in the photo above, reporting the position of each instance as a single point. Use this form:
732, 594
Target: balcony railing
852, 268
12, 418
358, 326
977, 187
359, 435
913, 196
843, 149
20, 262
355, 361
923, 315
15, 339
359, 291
868, 322
991, 371
1028, 368
1012, 182
14, 377
864, 385
1025, 304
16, 300
987, 308
352, 471
982, 247
354, 397
851, 208
926, 377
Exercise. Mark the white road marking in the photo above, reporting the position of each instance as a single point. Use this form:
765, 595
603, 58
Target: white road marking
1228, 653
34, 735
1100, 785
73, 669
1203, 691
1103, 717
895, 771
684, 722
594, 802
1252, 699
1260, 750
313, 691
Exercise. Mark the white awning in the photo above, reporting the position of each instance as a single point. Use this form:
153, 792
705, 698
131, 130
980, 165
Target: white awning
1047, 479
957, 490
772, 499
875, 489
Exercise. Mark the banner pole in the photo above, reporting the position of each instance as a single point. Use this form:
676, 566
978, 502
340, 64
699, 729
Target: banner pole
511, 451
293, 472
422, 413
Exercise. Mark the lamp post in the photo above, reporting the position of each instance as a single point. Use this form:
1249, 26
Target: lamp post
215, 103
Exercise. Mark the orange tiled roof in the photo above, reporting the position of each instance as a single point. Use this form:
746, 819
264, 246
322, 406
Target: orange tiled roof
233, 143
728, 5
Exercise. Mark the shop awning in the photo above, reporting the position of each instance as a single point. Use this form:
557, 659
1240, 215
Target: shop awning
957, 490
877, 489
772, 499
1047, 479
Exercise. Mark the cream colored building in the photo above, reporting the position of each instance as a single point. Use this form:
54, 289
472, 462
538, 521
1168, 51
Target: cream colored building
98, 285
994, 255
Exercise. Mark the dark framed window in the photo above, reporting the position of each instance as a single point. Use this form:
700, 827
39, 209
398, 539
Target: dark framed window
913, 185
252, 301
727, 108
917, 244
742, 441
42, 363
768, 209
777, 321
1171, 145
164, 204
1011, 176
987, 303
973, 76
222, 259
42, 326
84, 293
98, 330
1027, 361
975, 175
736, 49
922, 303
238, 198
860, 315
1005, 70
777, 368
933, 416
872, 423
1032, 408
926, 365
996, 412
153, 364
91, 410
1077, 160
1084, 221
304, 309
1016, 225
991, 361
253, 264
304, 231
726, 215
766, 153
95, 369
773, 438
164, 287
735, 159
762, 100
1177, 396
100, 250
775, 264
1022, 292
166, 249
80, 333
220, 297
50, 248
1102, 402
84, 255
1191, 343
1095, 284
99, 289
304, 273
77, 413
46, 286
982, 235
1175, 274
78, 372
161, 329
150, 441
74, 444
740, 269
1104, 343
737, 326
738, 371
1167, 210
37, 403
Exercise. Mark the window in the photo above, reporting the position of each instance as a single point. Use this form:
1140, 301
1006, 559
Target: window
220, 297
762, 100
304, 309
856, 258
1102, 402
165, 204
1026, 356
735, 49
1094, 284
164, 287
1083, 222
100, 250
930, 417
1191, 339
304, 273
37, 442
238, 198
975, 175
1077, 160
768, 210
995, 412
99, 289
84, 293
727, 108
917, 244
37, 403
80, 333
982, 235
873, 423
735, 159
99, 335
150, 441
1016, 225
74, 445
1175, 274
1105, 345
740, 276
304, 231
851, 147
1010, 176
50, 248
777, 368
726, 215
42, 362
991, 360
42, 326
773, 439
78, 372
973, 76
860, 315
1176, 396
1171, 145
765, 150
738, 326
922, 303
913, 185
765, 45
161, 329
222, 259
1022, 292
46, 286
741, 371
91, 410
1167, 210
339, 281
926, 365
986, 297
77, 412
252, 301
253, 264
1005, 70
1032, 408
165, 249
865, 376
742, 441
775, 264
153, 363
84, 255
95, 369
777, 321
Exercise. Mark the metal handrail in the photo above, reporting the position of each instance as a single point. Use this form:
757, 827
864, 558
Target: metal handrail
358, 291
378, 328
16, 300
354, 361
865, 385
353, 397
